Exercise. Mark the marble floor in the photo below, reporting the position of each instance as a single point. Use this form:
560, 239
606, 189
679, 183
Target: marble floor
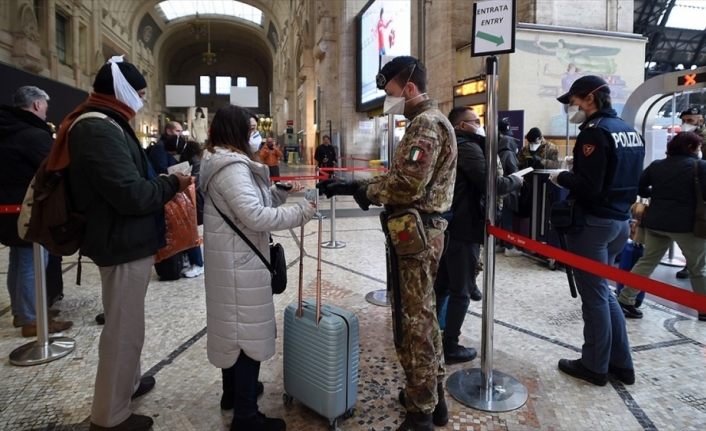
536, 323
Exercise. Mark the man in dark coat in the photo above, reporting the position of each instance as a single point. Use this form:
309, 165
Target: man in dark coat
114, 185
456, 277
25, 141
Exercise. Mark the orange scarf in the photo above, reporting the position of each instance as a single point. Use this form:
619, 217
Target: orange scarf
59, 155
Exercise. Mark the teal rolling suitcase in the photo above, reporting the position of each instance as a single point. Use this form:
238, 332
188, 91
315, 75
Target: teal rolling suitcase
321, 355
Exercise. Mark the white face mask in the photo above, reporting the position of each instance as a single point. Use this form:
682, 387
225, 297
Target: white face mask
123, 90
255, 141
480, 131
576, 116
700, 155
393, 105
688, 127
534, 145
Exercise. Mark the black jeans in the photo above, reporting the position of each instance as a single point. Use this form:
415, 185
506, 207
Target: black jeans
241, 379
455, 279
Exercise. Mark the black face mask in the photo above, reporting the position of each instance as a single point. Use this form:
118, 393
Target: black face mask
171, 143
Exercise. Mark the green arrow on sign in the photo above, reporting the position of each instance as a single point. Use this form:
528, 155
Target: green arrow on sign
490, 38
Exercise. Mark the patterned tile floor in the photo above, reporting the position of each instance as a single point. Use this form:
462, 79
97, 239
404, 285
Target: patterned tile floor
536, 323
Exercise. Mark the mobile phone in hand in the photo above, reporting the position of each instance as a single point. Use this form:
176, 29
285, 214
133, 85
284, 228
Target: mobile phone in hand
311, 195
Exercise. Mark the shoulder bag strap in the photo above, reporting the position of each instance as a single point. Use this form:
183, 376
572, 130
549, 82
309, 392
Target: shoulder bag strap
245, 238
700, 208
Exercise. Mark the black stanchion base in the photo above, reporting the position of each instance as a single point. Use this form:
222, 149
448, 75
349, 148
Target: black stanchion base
378, 297
36, 353
466, 386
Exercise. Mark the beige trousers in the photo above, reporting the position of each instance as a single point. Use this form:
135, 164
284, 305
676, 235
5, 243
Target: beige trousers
124, 287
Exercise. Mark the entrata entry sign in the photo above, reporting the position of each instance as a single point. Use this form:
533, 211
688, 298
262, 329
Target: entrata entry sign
493, 27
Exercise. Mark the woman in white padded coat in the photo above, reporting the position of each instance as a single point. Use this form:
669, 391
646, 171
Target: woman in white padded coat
239, 307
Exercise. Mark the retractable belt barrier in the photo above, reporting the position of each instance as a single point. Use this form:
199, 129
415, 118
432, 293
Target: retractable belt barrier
300, 178
10, 209
353, 169
657, 288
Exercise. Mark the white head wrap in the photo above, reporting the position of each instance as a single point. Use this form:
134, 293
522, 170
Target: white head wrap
123, 90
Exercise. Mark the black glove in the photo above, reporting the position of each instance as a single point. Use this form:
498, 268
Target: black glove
361, 197
336, 187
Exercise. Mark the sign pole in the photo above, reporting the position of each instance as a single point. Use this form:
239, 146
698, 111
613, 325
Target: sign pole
483, 388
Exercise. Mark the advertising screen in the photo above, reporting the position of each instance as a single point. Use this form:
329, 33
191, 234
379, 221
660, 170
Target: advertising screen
383, 33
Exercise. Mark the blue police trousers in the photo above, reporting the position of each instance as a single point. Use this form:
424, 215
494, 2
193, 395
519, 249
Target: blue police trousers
604, 332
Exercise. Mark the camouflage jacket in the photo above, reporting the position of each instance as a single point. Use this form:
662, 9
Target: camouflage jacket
423, 168
545, 157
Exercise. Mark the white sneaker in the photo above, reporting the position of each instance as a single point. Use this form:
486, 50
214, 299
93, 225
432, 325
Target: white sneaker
194, 271
513, 252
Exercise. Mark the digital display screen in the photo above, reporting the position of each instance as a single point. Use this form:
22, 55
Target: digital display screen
383, 33
691, 79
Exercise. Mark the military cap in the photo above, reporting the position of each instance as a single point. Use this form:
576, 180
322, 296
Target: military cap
691, 111
393, 68
585, 84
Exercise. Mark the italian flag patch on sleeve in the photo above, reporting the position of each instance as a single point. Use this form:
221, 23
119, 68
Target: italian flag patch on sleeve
416, 154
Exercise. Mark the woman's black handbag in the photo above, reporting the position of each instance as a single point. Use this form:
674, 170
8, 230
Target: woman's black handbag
567, 217
277, 264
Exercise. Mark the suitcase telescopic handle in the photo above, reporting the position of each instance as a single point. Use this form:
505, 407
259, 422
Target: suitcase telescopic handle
318, 275
300, 310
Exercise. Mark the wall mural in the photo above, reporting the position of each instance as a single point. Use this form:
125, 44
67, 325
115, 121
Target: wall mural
554, 60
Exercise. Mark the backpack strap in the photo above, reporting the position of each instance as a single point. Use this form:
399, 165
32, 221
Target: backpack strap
94, 114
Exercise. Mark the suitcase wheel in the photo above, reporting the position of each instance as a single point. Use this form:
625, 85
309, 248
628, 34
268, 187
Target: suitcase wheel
287, 399
349, 413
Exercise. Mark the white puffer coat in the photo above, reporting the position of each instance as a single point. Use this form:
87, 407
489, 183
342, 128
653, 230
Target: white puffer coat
239, 307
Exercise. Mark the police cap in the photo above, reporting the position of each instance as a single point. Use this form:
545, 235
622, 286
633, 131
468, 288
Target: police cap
691, 111
393, 68
584, 85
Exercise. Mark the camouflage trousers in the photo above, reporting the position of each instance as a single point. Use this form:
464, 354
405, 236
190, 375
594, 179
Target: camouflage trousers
420, 350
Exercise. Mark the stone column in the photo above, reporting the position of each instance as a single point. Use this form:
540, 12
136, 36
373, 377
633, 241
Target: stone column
75, 47
51, 40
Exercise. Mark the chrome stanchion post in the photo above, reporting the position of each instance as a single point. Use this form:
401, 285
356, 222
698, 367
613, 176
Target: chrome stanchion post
45, 349
318, 215
380, 297
486, 389
333, 243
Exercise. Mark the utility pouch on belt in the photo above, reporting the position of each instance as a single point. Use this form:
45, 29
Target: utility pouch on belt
406, 231
567, 217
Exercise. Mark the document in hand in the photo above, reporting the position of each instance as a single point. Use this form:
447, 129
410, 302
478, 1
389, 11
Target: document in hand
183, 167
523, 172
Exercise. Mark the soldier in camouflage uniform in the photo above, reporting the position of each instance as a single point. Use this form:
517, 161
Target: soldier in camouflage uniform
421, 177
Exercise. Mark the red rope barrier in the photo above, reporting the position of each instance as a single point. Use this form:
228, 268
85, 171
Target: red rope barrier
10, 209
300, 178
354, 169
657, 288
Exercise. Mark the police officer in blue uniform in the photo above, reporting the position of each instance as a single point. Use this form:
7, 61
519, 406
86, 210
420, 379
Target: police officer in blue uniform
608, 158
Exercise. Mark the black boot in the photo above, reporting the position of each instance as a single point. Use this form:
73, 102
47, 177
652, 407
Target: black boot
455, 353
576, 369
416, 422
440, 416
258, 422
227, 401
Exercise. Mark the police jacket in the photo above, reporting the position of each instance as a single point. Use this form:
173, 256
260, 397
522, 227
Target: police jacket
670, 185
25, 140
608, 158
113, 184
468, 206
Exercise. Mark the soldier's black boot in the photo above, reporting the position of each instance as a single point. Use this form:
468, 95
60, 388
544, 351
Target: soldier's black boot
440, 416
416, 422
